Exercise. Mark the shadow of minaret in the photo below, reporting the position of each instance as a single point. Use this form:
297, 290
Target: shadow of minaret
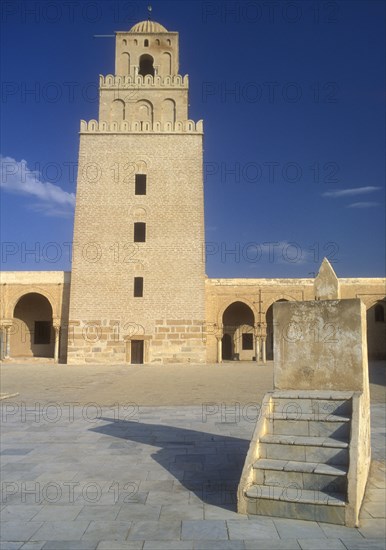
207, 464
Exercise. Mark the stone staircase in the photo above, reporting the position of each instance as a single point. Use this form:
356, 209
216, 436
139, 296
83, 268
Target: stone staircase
298, 462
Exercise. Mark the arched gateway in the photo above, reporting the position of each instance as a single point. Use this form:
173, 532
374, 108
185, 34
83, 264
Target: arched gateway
238, 332
32, 333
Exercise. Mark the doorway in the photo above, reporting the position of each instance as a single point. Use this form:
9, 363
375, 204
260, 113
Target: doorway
33, 334
227, 347
137, 352
238, 321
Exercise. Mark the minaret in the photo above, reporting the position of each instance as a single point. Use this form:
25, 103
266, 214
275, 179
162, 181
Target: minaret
137, 284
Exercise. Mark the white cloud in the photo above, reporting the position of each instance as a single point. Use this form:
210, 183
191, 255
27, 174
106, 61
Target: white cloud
50, 210
350, 192
16, 177
363, 204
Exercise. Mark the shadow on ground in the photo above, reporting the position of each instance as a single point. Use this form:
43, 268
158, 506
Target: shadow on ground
209, 465
377, 373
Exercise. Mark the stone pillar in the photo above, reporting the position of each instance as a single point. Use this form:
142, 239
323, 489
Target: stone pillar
128, 350
263, 349
257, 336
219, 349
7, 343
146, 350
57, 336
257, 349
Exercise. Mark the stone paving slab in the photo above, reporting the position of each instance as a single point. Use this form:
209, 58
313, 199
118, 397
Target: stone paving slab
366, 544
61, 530
373, 528
120, 545
261, 528
204, 530
10, 545
33, 545
320, 544
298, 529
168, 545
287, 544
340, 532
70, 545
13, 531
219, 545
155, 530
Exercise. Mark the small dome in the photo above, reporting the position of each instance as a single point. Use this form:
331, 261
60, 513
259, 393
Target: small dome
148, 26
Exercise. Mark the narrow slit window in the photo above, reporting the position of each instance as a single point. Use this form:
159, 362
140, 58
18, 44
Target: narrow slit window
138, 287
140, 184
139, 232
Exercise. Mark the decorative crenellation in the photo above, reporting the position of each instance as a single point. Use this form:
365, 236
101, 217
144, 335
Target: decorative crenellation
126, 127
139, 81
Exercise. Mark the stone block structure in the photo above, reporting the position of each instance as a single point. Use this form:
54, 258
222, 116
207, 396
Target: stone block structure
310, 453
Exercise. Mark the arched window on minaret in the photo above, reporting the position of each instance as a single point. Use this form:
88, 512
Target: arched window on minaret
144, 111
126, 62
146, 43
146, 65
168, 112
166, 64
118, 110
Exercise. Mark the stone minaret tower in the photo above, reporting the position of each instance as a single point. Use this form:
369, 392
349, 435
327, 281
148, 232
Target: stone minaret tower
137, 284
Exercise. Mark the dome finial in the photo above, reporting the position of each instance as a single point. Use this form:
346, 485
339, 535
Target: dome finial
149, 10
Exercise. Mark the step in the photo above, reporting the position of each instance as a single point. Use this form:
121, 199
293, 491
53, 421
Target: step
296, 466
305, 504
329, 395
319, 408
338, 426
306, 416
304, 449
304, 440
274, 492
304, 475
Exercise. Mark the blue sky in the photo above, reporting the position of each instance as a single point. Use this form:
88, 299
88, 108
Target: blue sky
292, 95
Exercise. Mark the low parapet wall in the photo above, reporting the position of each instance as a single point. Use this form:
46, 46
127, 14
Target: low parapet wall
321, 345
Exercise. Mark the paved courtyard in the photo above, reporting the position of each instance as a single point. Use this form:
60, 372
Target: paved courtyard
118, 457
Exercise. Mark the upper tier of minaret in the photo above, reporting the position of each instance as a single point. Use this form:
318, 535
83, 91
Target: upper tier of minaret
146, 93
147, 48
